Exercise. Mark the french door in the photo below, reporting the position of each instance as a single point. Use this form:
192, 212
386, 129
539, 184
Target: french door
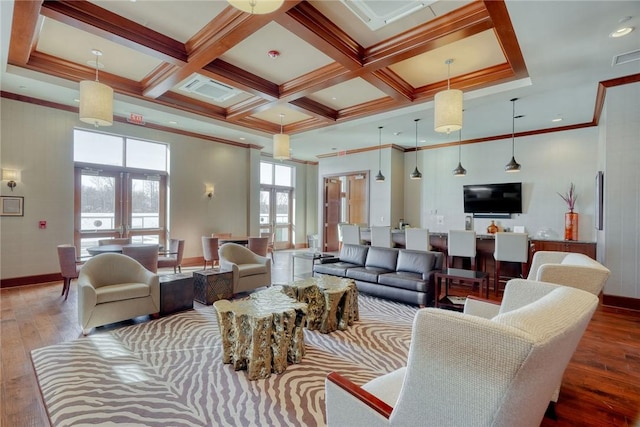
275, 215
115, 203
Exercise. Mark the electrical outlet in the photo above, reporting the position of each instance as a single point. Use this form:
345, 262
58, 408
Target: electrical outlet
440, 219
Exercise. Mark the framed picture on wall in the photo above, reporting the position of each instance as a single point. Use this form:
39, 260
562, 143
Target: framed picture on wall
599, 199
11, 206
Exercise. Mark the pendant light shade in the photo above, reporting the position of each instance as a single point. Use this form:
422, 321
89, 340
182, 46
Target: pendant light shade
96, 100
281, 144
379, 176
513, 166
448, 107
459, 171
256, 7
416, 173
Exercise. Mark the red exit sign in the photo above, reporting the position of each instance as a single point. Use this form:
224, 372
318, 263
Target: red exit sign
136, 119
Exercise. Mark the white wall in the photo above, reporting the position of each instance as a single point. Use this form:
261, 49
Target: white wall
38, 141
550, 162
622, 190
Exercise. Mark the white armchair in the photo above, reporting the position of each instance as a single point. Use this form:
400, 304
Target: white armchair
250, 271
465, 370
569, 269
114, 287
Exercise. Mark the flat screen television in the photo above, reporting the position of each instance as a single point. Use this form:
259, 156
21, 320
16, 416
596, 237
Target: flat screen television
493, 198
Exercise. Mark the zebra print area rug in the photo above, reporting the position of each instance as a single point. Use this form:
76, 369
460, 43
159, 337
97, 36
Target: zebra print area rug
169, 372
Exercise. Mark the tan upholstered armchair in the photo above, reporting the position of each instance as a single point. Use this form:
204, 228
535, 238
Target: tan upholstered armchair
569, 269
465, 370
114, 287
250, 271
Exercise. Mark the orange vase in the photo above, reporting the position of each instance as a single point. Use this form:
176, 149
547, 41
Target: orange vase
571, 226
492, 228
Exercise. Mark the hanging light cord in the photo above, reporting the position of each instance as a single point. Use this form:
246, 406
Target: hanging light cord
416, 120
449, 61
281, 116
513, 129
460, 146
380, 147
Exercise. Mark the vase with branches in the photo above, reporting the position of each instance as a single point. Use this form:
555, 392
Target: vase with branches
570, 197
570, 218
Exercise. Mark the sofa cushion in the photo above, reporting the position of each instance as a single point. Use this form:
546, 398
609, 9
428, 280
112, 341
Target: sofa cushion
385, 258
416, 261
354, 254
334, 268
122, 291
367, 274
404, 280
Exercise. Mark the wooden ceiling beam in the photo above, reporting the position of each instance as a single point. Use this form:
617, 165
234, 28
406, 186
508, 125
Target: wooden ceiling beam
391, 84
507, 37
248, 107
317, 110
241, 79
459, 24
24, 27
95, 20
310, 25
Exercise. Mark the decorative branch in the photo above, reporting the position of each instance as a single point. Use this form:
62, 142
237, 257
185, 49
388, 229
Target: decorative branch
570, 198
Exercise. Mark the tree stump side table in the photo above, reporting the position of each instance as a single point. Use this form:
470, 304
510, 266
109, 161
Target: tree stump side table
332, 301
263, 333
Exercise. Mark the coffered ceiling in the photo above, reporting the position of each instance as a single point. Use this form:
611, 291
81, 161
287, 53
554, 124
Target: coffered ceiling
205, 67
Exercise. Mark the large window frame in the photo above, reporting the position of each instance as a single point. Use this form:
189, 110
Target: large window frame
272, 194
122, 221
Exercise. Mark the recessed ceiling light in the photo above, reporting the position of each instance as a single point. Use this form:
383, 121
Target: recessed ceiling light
334, 98
557, 119
242, 138
621, 32
173, 122
397, 133
423, 140
76, 100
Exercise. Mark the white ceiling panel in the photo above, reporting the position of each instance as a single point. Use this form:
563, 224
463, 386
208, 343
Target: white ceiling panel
347, 94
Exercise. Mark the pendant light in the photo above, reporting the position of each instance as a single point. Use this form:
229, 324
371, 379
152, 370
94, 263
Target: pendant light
513, 166
380, 177
416, 173
256, 7
281, 144
448, 107
459, 171
96, 100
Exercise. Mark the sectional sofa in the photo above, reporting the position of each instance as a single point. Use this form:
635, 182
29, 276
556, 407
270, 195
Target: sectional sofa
397, 274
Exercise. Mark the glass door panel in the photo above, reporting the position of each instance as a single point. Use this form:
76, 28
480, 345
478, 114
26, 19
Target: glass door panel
283, 219
145, 222
99, 213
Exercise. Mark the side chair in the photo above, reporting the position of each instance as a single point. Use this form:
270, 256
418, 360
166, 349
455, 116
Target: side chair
69, 267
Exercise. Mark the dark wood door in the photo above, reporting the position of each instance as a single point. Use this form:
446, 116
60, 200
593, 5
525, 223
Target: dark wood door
332, 214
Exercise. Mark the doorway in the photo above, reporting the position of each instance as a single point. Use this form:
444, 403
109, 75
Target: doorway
345, 200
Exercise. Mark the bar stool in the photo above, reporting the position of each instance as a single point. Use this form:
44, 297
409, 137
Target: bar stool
510, 247
351, 234
462, 243
381, 236
417, 239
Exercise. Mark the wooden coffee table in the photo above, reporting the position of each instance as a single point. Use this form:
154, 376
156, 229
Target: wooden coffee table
332, 301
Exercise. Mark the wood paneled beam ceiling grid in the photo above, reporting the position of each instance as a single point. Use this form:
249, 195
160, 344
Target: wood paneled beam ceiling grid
201, 54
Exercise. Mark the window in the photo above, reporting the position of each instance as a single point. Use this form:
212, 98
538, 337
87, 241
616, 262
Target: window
122, 189
276, 203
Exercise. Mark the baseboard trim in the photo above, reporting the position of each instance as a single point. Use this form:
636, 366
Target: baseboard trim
621, 302
30, 280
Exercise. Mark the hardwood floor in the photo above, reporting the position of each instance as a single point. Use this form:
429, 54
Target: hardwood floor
601, 386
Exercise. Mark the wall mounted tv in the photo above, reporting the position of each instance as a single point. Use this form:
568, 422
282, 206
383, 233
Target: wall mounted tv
503, 198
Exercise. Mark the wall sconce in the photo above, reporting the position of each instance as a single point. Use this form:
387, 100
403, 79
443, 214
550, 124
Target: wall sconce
209, 190
11, 176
